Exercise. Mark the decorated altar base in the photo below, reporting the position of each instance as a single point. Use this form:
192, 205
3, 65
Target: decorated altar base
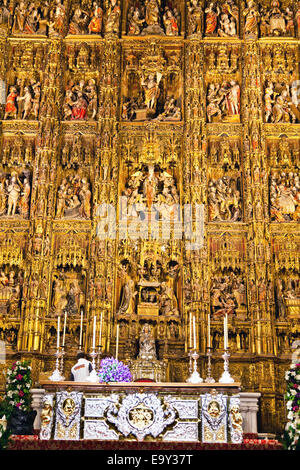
165, 412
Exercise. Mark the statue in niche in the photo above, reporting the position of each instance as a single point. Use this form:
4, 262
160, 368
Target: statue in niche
151, 91
5, 14
79, 21
112, 17
59, 300
285, 196
73, 298
212, 13
147, 349
95, 25
170, 23
127, 304
195, 17
135, 23
167, 301
252, 17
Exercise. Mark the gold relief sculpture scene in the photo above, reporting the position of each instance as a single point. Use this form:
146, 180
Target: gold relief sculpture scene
150, 199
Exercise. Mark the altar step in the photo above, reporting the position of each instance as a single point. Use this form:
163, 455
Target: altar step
251, 442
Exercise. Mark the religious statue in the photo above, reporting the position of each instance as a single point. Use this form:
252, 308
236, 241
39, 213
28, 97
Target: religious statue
224, 200
252, 16
147, 348
285, 196
112, 17
127, 304
151, 88
5, 14
81, 101
168, 302
74, 198
195, 17
223, 101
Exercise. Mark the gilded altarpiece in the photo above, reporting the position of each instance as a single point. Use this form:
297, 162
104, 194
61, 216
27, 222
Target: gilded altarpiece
146, 106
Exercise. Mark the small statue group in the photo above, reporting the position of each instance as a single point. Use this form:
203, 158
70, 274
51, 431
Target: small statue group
275, 21
43, 19
281, 102
95, 20
286, 289
15, 195
74, 198
86, 22
224, 200
67, 296
81, 101
150, 18
223, 101
10, 288
285, 196
149, 188
221, 20
227, 294
23, 101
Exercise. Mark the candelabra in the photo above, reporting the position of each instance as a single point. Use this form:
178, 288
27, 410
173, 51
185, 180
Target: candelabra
57, 375
226, 377
194, 377
93, 377
209, 379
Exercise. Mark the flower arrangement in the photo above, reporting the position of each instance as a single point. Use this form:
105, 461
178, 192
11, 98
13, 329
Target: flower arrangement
18, 385
292, 396
112, 370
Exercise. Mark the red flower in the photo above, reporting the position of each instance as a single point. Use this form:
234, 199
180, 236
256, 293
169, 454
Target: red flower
19, 377
21, 393
18, 404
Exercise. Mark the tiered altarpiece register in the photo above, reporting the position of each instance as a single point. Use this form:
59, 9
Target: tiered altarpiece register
160, 103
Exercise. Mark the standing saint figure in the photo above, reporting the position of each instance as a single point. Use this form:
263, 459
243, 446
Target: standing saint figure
127, 304
95, 25
151, 90
14, 191
211, 19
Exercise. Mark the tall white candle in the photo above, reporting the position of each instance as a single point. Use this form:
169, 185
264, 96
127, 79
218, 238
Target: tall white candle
94, 333
225, 331
100, 332
64, 334
81, 328
191, 331
208, 332
117, 343
58, 331
194, 329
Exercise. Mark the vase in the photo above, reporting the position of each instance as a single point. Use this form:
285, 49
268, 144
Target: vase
21, 422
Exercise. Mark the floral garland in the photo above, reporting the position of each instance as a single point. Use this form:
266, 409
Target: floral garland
112, 370
18, 385
292, 396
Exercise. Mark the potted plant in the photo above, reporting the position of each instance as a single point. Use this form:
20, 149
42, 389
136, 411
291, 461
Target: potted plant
112, 370
18, 399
